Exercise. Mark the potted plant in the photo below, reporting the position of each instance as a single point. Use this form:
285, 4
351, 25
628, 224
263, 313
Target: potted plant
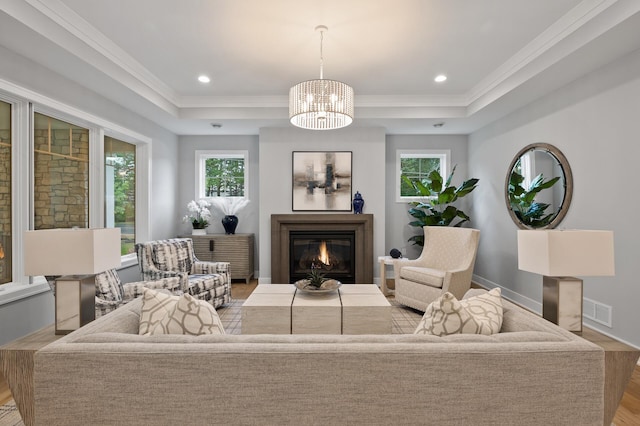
523, 203
437, 209
198, 216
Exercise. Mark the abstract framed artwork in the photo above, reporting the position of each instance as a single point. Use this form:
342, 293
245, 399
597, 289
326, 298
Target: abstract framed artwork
321, 181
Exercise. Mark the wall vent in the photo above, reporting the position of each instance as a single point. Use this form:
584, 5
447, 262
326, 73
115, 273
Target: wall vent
598, 312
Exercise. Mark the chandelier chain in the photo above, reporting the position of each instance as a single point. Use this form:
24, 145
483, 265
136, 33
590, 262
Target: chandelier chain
321, 56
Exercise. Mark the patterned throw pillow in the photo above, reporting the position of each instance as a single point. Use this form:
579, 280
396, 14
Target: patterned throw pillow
476, 315
190, 316
156, 305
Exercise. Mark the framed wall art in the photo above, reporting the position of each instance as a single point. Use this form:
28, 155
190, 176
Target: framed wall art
321, 181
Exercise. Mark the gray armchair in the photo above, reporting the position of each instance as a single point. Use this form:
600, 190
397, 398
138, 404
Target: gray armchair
175, 257
445, 264
111, 293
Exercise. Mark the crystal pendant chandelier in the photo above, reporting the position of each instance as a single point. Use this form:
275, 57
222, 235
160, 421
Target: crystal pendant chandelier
321, 104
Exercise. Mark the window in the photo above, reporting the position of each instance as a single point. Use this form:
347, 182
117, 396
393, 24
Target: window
61, 174
52, 174
5, 193
120, 190
417, 164
222, 174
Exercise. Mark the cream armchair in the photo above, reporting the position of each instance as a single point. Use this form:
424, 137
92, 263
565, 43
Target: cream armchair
445, 264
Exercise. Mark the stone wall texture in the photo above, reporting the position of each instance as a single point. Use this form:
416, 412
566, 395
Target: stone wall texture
5, 205
61, 179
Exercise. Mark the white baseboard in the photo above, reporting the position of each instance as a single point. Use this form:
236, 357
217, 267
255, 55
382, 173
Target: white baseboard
510, 295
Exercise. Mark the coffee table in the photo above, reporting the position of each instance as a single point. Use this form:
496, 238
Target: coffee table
282, 309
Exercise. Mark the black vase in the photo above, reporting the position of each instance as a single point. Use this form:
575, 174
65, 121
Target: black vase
230, 222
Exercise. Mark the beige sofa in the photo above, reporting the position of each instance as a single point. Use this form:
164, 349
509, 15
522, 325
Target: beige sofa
532, 373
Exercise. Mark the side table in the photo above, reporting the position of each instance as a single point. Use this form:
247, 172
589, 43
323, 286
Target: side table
384, 261
619, 362
16, 361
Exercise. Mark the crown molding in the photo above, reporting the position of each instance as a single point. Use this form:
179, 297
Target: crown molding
581, 25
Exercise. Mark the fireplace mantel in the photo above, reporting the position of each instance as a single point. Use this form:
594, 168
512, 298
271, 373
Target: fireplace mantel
282, 224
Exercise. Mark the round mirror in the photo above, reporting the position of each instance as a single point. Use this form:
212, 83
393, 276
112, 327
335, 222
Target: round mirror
538, 187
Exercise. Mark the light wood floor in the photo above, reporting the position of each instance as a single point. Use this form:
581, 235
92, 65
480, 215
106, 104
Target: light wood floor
628, 413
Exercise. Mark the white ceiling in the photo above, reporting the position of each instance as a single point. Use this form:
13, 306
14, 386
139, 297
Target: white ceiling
146, 55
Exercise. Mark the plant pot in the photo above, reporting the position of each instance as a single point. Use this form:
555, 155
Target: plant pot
199, 232
230, 222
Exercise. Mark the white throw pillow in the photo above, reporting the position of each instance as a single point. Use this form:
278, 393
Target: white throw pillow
190, 316
446, 315
155, 306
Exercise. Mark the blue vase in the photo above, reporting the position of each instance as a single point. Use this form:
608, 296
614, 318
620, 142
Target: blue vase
358, 203
230, 222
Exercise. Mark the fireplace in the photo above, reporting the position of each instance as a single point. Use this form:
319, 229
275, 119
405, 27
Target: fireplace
330, 252
349, 237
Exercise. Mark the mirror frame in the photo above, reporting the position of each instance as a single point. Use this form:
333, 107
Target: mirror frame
567, 183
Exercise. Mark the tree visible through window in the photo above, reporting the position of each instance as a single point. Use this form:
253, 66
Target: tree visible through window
222, 174
120, 190
417, 164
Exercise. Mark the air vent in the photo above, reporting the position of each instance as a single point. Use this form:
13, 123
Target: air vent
598, 312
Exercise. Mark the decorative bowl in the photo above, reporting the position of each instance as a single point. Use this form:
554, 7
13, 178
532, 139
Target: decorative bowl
326, 287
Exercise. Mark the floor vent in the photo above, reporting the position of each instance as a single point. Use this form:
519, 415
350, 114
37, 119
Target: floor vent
598, 312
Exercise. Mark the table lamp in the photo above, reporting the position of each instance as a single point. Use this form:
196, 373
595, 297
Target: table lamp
559, 255
77, 255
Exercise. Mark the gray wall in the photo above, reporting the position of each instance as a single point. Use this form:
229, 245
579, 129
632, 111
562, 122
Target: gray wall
368, 161
594, 122
248, 217
397, 232
32, 313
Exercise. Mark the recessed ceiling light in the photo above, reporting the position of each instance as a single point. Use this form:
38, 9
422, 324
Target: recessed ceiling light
440, 78
204, 79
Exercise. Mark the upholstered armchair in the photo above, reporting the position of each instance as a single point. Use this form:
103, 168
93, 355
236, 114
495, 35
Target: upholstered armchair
111, 293
175, 257
445, 264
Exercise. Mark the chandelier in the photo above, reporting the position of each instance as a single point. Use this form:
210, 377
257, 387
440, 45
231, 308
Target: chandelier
321, 104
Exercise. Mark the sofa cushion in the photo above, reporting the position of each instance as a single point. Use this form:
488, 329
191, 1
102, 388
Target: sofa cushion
446, 315
173, 256
427, 276
190, 316
156, 304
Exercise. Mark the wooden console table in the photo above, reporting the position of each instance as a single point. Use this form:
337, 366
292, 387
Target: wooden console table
237, 249
16, 361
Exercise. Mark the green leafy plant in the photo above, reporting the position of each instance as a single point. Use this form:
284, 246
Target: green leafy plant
523, 203
316, 277
437, 209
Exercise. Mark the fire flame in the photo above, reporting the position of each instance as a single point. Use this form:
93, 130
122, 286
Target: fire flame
1, 252
323, 256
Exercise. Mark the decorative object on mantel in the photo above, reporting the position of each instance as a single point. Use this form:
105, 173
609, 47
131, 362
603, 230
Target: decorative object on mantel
358, 203
395, 253
437, 209
559, 254
321, 181
321, 104
229, 206
198, 216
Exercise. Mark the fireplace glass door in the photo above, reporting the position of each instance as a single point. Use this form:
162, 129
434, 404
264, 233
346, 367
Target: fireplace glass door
332, 252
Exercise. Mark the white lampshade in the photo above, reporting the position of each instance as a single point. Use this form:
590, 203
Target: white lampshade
71, 251
558, 253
